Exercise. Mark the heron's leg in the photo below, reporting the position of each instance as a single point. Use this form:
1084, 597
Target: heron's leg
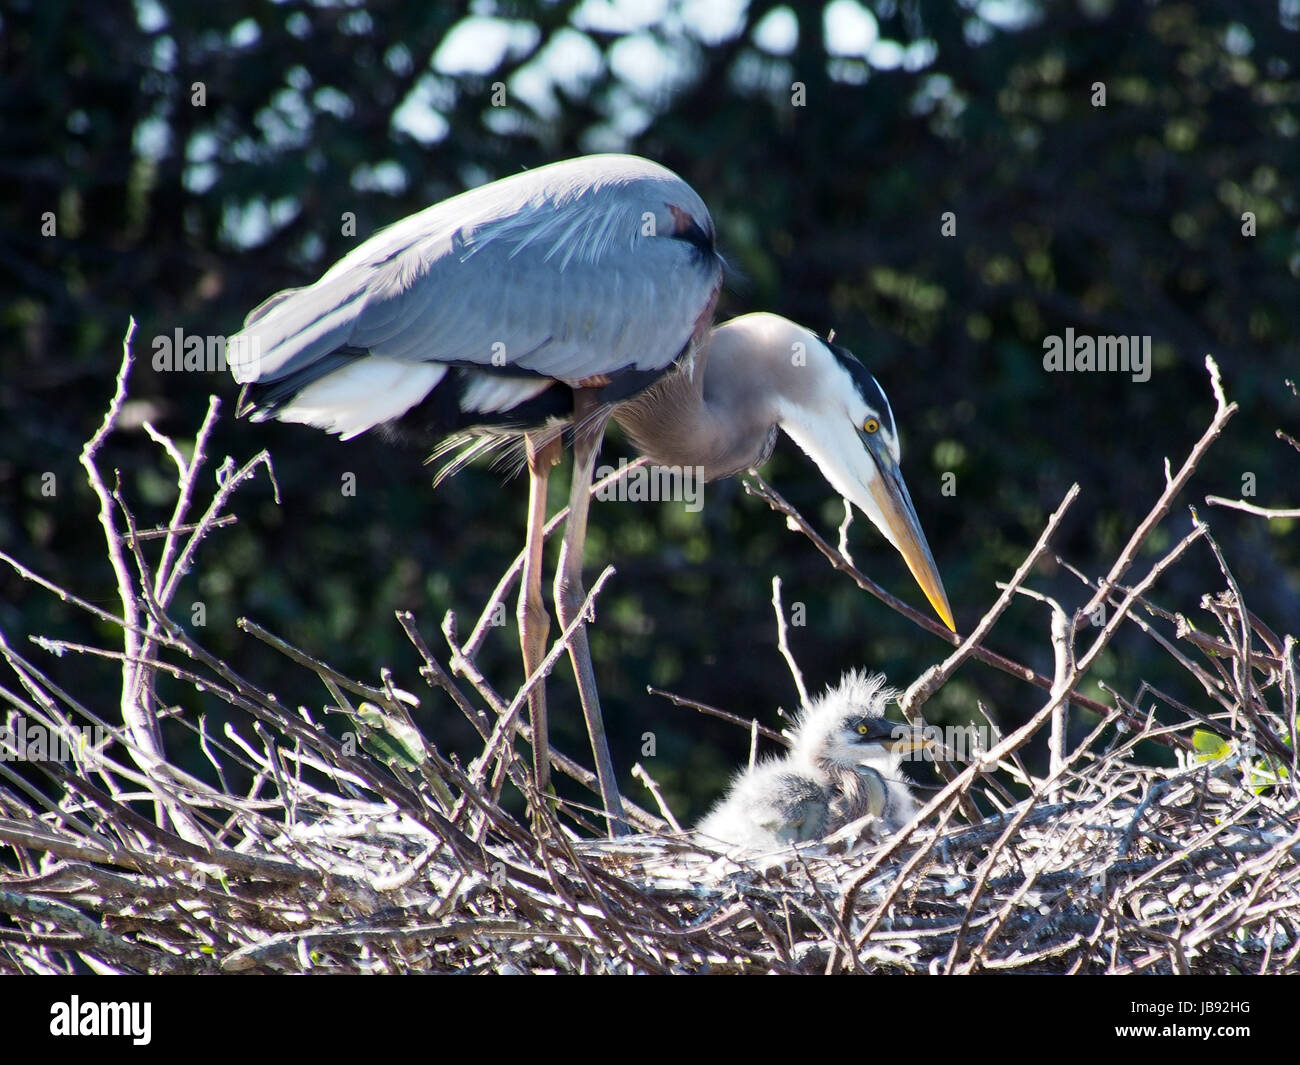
569, 594
534, 621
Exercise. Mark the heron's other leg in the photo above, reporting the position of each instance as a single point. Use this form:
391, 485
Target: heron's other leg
534, 621
569, 594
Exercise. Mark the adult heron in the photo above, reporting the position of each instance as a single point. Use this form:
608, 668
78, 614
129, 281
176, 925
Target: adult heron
555, 298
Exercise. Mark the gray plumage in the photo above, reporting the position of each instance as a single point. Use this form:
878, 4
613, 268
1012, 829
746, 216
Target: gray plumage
481, 318
561, 297
768, 807
841, 767
511, 284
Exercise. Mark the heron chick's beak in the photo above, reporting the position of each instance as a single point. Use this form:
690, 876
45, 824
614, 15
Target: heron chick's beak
895, 737
915, 740
902, 527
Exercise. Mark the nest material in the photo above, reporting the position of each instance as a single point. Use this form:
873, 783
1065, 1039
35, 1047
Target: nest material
363, 849
1134, 870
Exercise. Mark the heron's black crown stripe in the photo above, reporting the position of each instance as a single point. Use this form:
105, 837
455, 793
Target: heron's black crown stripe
868, 387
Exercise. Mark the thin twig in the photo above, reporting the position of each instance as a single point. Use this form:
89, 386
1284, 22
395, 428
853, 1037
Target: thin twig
639, 772
932, 679
1251, 508
748, 724
783, 643
755, 485
1223, 413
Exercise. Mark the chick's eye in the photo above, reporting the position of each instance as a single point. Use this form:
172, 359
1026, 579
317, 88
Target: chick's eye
870, 425
862, 730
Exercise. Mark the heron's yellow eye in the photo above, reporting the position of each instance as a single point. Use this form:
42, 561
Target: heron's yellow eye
870, 425
862, 730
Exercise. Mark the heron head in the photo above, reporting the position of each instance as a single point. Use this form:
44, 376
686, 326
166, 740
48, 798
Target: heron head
852, 737
839, 415
846, 726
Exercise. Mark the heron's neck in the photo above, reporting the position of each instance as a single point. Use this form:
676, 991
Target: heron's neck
852, 796
722, 416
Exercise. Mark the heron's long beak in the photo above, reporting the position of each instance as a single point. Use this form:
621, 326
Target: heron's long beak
895, 737
902, 527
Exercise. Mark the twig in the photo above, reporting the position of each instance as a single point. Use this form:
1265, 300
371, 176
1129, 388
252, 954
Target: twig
783, 643
1062, 654
755, 485
639, 772
1251, 508
1222, 415
844, 532
134, 713
748, 724
933, 678
294, 654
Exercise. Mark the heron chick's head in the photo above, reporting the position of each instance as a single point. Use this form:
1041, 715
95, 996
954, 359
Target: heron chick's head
845, 736
847, 726
844, 764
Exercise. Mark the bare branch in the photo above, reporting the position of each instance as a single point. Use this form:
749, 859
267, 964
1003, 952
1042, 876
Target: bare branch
783, 643
932, 679
1250, 508
1173, 485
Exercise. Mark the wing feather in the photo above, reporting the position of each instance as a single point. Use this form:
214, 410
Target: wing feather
567, 272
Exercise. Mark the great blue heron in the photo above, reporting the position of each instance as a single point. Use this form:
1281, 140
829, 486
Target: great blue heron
555, 298
845, 762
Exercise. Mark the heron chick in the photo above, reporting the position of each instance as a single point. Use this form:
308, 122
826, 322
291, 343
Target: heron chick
846, 739
845, 762
769, 806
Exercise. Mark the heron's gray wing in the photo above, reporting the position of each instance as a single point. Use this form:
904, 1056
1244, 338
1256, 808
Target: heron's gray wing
574, 271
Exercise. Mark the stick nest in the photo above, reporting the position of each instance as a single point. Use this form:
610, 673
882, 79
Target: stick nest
361, 848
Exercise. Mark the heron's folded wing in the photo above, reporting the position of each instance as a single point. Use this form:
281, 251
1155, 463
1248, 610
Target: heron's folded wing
570, 274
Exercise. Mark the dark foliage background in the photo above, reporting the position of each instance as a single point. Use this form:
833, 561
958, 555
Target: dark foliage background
1122, 219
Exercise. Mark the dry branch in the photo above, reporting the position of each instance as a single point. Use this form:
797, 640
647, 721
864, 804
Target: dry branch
360, 847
